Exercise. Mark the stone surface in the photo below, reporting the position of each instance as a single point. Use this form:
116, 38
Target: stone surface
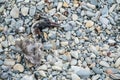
104, 63
89, 24
9, 62
74, 17
117, 63
18, 67
75, 77
24, 11
14, 12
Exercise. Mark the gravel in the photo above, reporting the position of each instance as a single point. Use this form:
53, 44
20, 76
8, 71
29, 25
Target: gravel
85, 45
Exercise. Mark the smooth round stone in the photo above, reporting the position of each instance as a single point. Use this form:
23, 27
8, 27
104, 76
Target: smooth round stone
84, 73
18, 67
104, 63
89, 24
74, 17
73, 62
24, 11
117, 63
74, 54
75, 77
14, 12
59, 5
42, 73
56, 68
1, 62
4, 75
97, 70
9, 62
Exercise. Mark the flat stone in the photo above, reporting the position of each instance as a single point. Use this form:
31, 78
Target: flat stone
14, 12
74, 17
27, 77
32, 10
2, 8
74, 54
24, 11
42, 73
75, 77
9, 62
64, 43
117, 63
59, 5
4, 43
89, 24
84, 73
18, 67
104, 63
56, 68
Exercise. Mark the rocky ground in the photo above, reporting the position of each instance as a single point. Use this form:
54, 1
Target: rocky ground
86, 45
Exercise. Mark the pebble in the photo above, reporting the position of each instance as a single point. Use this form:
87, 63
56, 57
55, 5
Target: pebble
32, 10
11, 40
56, 68
2, 8
42, 67
4, 43
104, 63
97, 70
64, 43
4, 75
74, 17
84, 73
76, 40
117, 63
14, 12
75, 69
96, 77
18, 67
74, 54
48, 46
65, 4
1, 62
59, 5
91, 6
21, 29
27, 77
104, 21
111, 41
42, 73
24, 11
112, 8
9, 62
73, 62
89, 24
52, 11
118, 1
68, 35
75, 77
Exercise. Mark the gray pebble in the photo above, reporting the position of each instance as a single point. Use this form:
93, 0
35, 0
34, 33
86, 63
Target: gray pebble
48, 46
4, 43
1, 62
97, 70
4, 75
32, 10
84, 73
4, 68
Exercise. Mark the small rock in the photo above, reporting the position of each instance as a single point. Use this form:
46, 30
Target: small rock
42, 73
74, 17
21, 29
52, 11
84, 73
68, 35
91, 6
104, 63
65, 4
74, 54
75, 77
97, 70
111, 41
24, 11
4, 43
1, 62
73, 62
56, 68
115, 76
76, 40
9, 62
117, 63
118, 1
59, 5
2, 1
32, 10
89, 24
75, 69
47, 46
1, 50
11, 40
15, 12
96, 77
2, 8
112, 8
4, 75
42, 67
64, 43
27, 77
104, 21
18, 67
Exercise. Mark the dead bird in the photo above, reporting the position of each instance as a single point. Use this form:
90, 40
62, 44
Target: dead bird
41, 24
